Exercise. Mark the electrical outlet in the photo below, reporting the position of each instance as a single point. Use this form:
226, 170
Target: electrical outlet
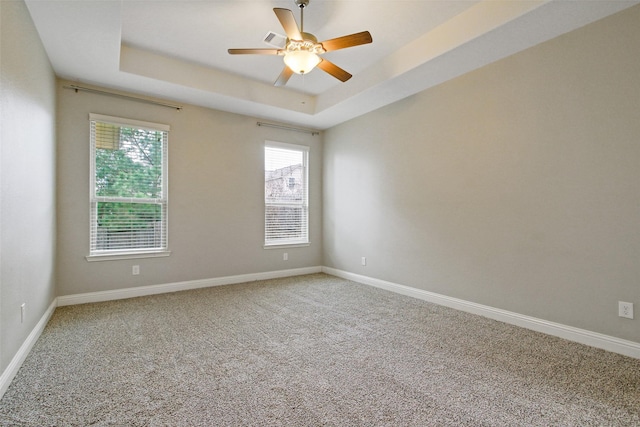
23, 312
364, 260
285, 256
135, 270
625, 309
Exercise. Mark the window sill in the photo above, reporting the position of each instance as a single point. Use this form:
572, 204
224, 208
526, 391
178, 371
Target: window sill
287, 245
127, 255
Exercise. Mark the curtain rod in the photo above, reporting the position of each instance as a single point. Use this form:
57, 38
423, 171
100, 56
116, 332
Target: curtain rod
117, 95
271, 125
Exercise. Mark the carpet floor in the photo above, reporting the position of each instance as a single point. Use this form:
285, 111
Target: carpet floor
309, 351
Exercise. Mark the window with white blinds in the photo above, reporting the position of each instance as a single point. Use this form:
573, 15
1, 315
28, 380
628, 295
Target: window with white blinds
128, 186
286, 194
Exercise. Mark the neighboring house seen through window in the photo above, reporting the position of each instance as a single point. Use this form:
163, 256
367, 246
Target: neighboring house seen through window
286, 194
128, 186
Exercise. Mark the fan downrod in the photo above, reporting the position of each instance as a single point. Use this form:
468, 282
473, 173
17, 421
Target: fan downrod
302, 4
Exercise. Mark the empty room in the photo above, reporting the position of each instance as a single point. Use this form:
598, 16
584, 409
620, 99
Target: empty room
319, 213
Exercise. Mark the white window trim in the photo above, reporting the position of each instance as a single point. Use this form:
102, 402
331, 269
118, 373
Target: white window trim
297, 242
129, 253
287, 245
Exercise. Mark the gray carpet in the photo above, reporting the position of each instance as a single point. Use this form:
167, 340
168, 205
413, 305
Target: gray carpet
309, 351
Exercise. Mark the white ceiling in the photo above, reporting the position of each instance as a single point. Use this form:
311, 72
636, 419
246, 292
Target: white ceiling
177, 49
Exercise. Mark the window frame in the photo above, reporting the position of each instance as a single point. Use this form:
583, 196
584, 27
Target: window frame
128, 253
305, 239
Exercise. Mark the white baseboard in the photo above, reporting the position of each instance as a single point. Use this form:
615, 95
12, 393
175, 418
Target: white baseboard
582, 336
11, 370
180, 286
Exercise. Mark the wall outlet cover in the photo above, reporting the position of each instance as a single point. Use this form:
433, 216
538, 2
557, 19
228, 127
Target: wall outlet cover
625, 309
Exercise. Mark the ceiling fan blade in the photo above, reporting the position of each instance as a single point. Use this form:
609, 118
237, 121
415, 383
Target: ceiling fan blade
351, 40
284, 76
334, 70
254, 51
288, 22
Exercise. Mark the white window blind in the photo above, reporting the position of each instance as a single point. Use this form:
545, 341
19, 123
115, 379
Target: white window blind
286, 194
128, 186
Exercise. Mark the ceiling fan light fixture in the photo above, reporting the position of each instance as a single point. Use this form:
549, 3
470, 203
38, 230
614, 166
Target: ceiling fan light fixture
301, 51
301, 61
301, 56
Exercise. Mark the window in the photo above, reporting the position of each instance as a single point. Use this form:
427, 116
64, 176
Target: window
286, 194
128, 186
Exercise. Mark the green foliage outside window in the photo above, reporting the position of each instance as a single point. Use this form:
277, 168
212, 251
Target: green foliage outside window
133, 170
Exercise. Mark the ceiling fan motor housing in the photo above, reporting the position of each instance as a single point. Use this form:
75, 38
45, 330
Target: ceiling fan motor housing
309, 43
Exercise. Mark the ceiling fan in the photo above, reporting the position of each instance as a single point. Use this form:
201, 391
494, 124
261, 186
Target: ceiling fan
302, 50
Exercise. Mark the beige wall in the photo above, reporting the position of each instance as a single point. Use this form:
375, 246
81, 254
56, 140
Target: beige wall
515, 186
27, 178
216, 196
